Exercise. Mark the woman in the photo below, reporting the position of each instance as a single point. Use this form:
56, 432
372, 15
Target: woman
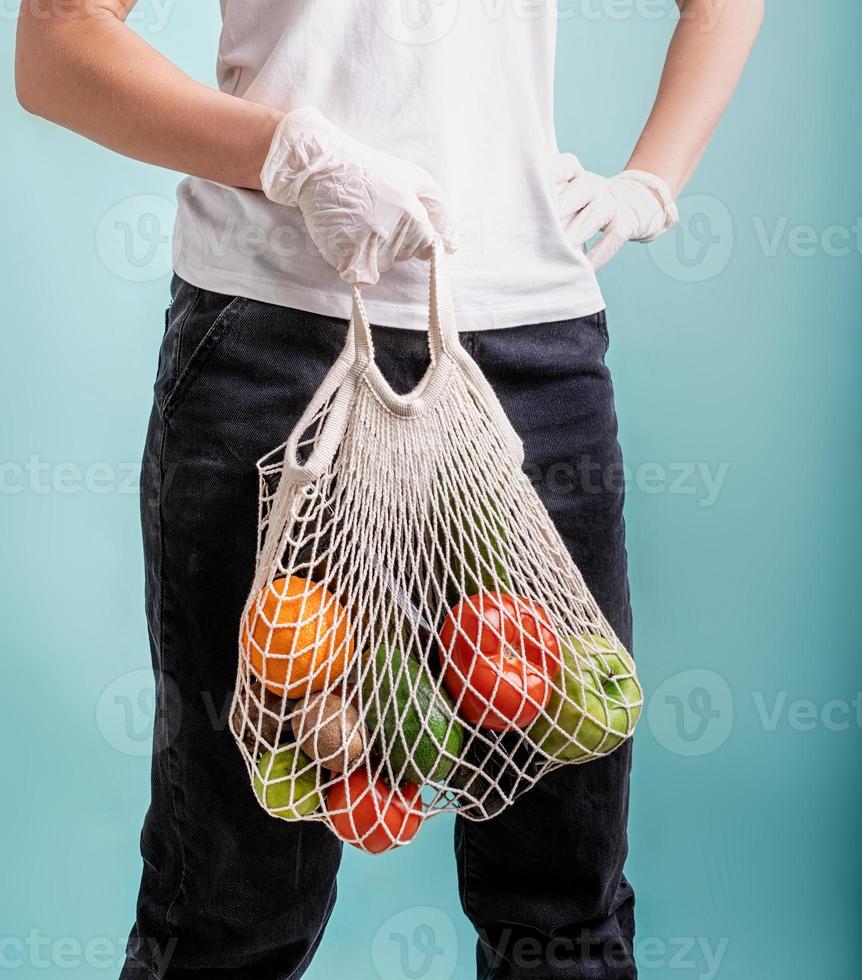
342, 142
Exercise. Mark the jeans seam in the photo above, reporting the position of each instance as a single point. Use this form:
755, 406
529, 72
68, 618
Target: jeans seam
315, 943
603, 329
468, 869
181, 325
142, 965
168, 748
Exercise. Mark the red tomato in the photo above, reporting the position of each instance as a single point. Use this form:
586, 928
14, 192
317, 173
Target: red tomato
500, 655
374, 817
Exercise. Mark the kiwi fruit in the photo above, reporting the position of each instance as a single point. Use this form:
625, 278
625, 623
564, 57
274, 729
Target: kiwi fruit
329, 730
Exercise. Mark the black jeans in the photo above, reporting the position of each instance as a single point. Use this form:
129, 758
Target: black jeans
228, 891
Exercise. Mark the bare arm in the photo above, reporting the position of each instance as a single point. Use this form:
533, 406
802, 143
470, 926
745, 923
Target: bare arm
79, 65
707, 53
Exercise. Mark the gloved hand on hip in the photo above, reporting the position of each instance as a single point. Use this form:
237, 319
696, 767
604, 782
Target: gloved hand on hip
634, 206
364, 209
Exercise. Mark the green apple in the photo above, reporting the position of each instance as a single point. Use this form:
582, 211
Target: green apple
286, 783
579, 721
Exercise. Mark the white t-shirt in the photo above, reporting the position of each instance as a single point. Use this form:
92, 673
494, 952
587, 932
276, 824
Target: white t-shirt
462, 87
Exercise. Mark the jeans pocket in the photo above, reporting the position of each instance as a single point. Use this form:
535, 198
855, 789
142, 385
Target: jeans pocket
197, 324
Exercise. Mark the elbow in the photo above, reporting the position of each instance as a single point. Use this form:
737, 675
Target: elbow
27, 88
40, 76
26, 94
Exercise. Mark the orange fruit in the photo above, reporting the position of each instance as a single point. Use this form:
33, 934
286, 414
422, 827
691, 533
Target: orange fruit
298, 638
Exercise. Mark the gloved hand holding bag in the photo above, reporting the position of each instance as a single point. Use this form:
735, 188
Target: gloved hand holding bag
364, 209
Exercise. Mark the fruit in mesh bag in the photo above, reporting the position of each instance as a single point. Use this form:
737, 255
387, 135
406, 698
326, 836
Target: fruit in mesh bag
286, 783
298, 640
474, 549
412, 722
500, 655
329, 730
594, 706
369, 814
257, 717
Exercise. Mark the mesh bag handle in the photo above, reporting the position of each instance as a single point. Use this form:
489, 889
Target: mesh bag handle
356, 363
442, 326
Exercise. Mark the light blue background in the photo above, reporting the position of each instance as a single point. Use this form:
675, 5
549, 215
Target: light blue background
733, 346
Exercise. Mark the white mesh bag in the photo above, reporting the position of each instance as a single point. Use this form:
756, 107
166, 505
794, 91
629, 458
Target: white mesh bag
417, 638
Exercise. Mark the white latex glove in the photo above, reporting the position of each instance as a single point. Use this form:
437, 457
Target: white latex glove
634, 206
365, 210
